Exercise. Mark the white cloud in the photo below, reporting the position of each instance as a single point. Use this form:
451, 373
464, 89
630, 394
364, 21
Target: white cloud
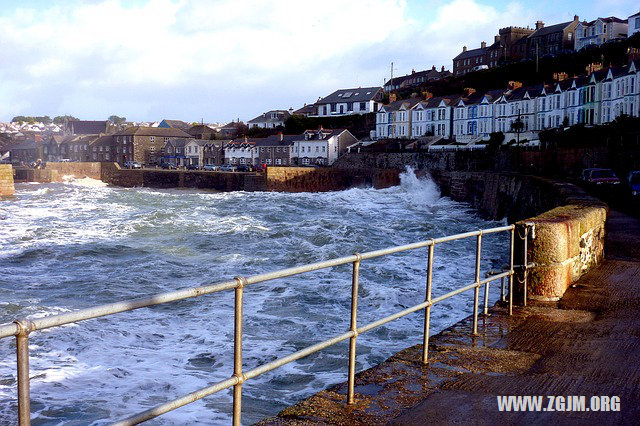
227, 58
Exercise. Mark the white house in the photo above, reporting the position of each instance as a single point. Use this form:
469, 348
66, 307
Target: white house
473, 118
194, 152
361, 100
270, 119
393, 121
241, 151
322, 147
633, 24
600, 31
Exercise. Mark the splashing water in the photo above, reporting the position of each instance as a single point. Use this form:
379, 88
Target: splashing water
72, 245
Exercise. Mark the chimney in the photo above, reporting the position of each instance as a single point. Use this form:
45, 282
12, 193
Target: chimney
442, 70
496, 39
539, 24
433, 68
413, 71
464, 48
483, 45
576, 18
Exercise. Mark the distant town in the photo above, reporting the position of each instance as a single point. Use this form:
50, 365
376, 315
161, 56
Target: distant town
428, 110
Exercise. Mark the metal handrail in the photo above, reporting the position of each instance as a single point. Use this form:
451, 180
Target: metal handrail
23, 327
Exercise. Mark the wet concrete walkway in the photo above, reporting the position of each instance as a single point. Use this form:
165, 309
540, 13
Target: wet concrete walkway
586, 344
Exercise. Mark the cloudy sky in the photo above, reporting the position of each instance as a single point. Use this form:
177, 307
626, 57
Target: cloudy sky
220, 60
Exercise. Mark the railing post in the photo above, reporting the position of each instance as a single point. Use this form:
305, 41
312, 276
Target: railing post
237, 352
486, 299
22, 353
524, 263
513, 231
476, 290
427, 310
354, 329
502, 292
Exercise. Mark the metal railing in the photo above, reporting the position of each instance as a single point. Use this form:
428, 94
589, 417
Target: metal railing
22, 328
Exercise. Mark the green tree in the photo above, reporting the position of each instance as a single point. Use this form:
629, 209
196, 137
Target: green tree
61, 118
116, 119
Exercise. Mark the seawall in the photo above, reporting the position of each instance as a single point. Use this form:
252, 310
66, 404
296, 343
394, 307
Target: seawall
6, 180
569, 225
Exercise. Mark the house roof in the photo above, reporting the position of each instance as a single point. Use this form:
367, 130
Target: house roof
359, 94
153, 131
432, 74
307, 109
550, 29
395, 106
633, 16
176, 124
24, 145
102, 140
83, 127
200, 129
471, 53
281, 115
435, 102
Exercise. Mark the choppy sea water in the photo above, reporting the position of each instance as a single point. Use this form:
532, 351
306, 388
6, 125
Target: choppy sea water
78, 244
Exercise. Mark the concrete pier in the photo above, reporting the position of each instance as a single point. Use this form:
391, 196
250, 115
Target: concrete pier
588, 343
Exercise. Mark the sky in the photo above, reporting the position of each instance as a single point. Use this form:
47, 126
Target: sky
222, 60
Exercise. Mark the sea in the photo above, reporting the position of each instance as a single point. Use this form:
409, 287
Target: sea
80, 243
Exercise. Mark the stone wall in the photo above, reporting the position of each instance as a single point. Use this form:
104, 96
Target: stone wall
549, 162
6, 180
569, 224
311, 179
79, 170
113, 174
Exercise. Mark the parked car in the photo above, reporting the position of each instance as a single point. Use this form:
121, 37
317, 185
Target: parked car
633, 180
192, 167
168, 166
132, 165
211, 167
600, 176
243, 168
227, 168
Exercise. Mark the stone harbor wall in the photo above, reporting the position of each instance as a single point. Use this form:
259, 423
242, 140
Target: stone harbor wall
6, 180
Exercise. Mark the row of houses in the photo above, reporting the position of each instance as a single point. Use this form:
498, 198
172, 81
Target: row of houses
158, 145
597, 98
312, 147
518, 43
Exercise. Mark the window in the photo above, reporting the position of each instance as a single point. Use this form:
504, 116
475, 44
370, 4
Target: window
363, 106
278, 161
268, 161
152, 138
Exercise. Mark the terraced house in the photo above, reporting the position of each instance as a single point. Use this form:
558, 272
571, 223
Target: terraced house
597, 98
145, 144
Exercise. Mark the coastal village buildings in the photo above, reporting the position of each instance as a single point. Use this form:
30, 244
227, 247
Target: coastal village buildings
194, 152
600, 31
270, 120
415, 79
361, 100
597, 98
553, 39
393, 121
145, 144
